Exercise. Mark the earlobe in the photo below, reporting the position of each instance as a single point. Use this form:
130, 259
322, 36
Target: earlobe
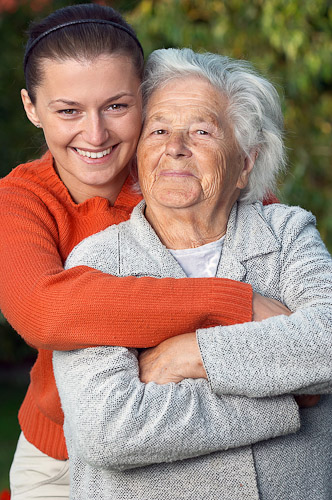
30, 108
249, 162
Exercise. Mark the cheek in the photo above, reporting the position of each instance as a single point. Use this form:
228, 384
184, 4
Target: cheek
146, 164
128, 132
59, 133
214, 175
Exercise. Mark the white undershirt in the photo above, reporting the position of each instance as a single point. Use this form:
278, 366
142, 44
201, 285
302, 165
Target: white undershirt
200, 262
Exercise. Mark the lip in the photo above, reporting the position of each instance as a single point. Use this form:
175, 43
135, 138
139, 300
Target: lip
95, 161
176, 173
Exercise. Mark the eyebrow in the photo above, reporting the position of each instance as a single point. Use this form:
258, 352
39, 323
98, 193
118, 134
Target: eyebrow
211, 116
75, 103
159, 118
197, 118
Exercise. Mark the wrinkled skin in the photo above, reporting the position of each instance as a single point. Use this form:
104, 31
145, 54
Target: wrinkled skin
191, 169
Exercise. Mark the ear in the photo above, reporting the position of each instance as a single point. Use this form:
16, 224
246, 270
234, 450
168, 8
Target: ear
248, 165
30, 108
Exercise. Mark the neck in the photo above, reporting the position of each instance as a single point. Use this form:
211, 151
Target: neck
191, 227
82, 191
110, 192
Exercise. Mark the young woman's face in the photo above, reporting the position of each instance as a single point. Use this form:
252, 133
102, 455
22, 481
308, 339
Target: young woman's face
90, 112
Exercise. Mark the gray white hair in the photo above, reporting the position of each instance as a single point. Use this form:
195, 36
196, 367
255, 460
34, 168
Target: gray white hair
254, 107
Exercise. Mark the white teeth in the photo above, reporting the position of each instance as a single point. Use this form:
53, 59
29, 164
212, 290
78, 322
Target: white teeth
92, 154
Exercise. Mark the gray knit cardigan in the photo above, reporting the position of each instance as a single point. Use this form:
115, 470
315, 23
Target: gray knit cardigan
240, 434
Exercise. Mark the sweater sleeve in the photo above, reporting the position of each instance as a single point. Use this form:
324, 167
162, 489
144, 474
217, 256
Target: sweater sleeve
135, 424
283, 354
53, 308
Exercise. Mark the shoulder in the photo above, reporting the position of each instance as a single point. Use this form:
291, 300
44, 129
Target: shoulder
282, 220
110, 249
280, 215
30, 170
292, 226
35, 178
255, 229
294, 230
25, 194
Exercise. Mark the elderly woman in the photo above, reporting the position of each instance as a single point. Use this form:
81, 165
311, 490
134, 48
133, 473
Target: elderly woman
230, 428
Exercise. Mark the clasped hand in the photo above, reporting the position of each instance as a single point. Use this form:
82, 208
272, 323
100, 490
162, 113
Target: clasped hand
179, 357
172, 360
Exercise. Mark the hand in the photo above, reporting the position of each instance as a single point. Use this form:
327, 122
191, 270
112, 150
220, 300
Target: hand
263, 308
172, 360
307, 400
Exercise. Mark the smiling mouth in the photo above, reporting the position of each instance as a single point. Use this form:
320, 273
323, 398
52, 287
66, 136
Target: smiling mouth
93, 154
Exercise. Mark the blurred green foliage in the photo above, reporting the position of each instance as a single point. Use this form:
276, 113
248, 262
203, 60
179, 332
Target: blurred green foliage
289, 41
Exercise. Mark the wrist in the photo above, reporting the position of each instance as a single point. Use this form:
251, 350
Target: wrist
195, 361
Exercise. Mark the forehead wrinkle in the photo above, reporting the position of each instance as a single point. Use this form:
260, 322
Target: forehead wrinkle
209, 117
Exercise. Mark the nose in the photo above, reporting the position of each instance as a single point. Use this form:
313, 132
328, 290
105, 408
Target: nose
95, 131
177, 146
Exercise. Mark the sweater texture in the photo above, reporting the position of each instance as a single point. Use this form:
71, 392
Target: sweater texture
231, 437
56, 309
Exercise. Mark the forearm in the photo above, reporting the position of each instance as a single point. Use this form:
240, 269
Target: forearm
56, 309
134, 424
110, 310
257, 360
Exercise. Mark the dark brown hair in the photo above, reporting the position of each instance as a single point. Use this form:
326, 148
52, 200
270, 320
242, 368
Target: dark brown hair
77, 40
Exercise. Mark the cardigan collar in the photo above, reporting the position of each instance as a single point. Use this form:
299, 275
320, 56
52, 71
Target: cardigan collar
156, 260
247, 228
248, 235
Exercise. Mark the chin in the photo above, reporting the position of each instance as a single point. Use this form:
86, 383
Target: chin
178, 203
178, 198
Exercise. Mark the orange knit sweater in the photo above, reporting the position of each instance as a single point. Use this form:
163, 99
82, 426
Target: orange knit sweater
56, 309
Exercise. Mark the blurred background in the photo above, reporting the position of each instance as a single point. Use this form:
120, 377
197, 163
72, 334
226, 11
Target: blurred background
288, 41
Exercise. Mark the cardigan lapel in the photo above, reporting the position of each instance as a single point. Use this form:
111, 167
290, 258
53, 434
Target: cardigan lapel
248, 235
139, 237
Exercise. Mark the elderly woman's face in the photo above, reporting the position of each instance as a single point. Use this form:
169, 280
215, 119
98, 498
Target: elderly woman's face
187, 153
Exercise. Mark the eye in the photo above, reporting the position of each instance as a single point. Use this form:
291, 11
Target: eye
202, 132
67, 112
118, 107
159, 132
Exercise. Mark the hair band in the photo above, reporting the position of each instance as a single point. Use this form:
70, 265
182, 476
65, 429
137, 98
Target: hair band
71, 23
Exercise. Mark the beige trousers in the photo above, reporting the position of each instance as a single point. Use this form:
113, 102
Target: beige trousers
34, 475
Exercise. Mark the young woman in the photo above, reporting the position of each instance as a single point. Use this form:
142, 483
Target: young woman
83, 66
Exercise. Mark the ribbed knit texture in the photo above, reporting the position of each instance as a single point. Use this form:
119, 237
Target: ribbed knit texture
56, 309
